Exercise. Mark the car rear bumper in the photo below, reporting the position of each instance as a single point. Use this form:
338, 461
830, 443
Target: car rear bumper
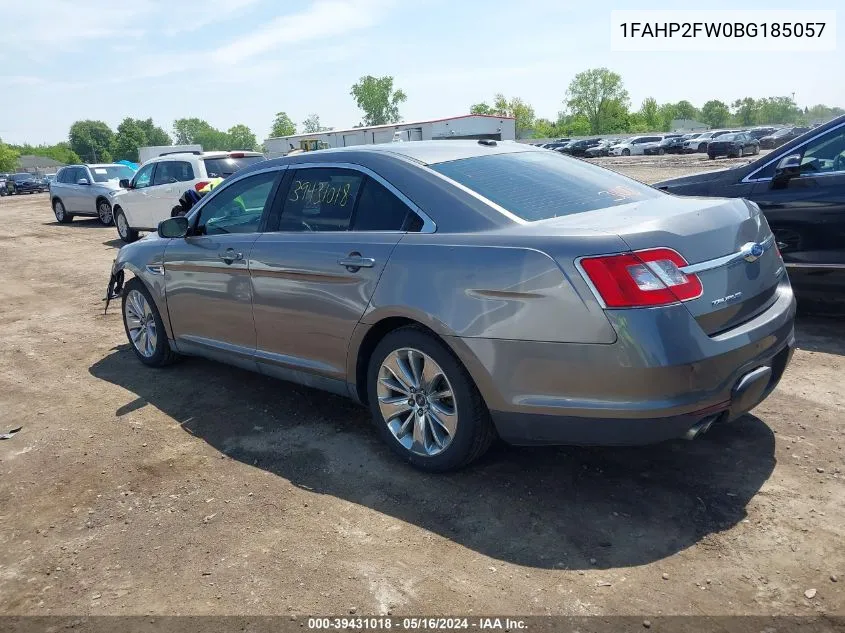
662, 378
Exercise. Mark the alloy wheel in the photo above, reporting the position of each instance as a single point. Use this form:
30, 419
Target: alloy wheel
59, 210
417, 402
140, 323
105, 212
122, 226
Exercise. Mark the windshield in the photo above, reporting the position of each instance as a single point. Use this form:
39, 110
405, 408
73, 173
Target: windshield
224, 166
111, 172
541, 185
727, 137
22, 177
782, 132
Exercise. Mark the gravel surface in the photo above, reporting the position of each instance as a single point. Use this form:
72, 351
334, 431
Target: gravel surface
204, 489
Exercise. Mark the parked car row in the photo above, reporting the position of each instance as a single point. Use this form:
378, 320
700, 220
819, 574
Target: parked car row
136, 201
11, 184
729, 142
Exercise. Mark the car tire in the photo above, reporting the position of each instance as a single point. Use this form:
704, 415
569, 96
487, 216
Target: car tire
660, 151
62, 216
126, 233
711, 156
441, 448
626, 152
702, 147
104, 212
756, 150
144, 327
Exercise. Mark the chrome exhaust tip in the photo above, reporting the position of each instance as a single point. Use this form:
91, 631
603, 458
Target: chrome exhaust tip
699, 428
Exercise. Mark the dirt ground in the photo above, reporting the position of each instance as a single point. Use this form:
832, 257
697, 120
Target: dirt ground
204, 489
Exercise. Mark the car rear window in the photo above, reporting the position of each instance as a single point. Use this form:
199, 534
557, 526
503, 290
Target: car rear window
224, 166
542, 185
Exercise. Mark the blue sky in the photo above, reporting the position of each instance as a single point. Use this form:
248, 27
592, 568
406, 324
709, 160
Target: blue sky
241, 61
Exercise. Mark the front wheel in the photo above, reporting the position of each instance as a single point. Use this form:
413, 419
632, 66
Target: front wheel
626, 152
144, 327
104, 212
62, 216
425, 404
660, 151
756, 150
126, 233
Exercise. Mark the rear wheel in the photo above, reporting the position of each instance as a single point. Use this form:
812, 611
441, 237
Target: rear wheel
62, 216
425, 404
104, 212
144, 327
126, 233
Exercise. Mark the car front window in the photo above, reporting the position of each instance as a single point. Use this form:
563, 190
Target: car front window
238, 207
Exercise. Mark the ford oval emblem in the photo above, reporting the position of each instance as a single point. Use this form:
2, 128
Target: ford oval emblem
752, 251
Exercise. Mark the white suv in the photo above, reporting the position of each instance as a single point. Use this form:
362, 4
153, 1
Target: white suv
634, 146
155, 189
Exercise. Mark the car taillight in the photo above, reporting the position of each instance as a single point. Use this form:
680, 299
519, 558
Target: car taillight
646, 278
200, 184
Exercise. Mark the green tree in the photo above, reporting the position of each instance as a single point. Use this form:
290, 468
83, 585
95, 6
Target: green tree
650, 115
378, 100
544, 128
572, 125
778, 110
153, 134
821, 113
311, 125
130, 136
598, 95
240, 137
480, 108
685, 110
135, 133
60, 152
196, 131
8, 158
521, 111
666, 113
91, 140
745, 111
282, 125
715, 113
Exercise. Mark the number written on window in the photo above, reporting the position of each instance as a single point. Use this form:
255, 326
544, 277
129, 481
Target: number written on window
312, 192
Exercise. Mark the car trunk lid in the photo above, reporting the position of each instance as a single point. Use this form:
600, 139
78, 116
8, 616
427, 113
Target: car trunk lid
715, 237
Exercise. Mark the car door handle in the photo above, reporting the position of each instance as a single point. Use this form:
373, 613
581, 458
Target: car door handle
354, 260
229, 256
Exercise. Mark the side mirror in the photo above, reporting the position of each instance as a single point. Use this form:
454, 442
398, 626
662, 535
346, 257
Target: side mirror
173, 227
83, 181
123, 183
788, 167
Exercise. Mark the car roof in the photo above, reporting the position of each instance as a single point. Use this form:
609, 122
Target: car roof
430, 152
103, 165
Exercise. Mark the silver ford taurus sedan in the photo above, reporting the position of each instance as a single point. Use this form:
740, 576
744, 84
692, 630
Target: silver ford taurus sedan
464, 290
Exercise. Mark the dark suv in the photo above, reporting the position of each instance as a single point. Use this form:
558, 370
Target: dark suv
25, 183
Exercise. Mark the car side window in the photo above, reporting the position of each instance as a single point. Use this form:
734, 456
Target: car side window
237, 208
142, 178
380, 210
164, 173
826, 154
321, 199
64, 176
82, 172
172, 171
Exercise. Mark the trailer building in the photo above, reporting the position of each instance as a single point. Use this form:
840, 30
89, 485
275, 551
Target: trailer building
471, 126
